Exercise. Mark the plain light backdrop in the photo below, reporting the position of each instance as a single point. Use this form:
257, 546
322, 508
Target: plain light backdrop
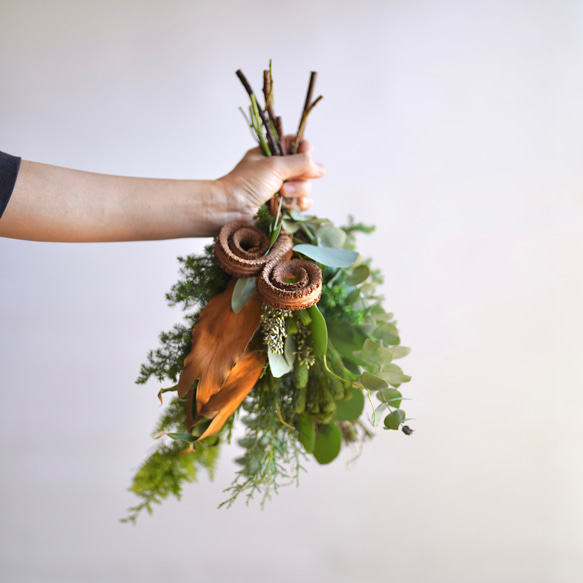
456, 127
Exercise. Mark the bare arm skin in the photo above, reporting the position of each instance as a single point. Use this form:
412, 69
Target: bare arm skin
58, 204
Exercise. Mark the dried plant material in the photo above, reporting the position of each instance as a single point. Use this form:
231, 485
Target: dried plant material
239, 383
241, 249
218, 341
290, 285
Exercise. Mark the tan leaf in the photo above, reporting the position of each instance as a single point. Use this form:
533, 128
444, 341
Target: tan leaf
237, 386
218, 341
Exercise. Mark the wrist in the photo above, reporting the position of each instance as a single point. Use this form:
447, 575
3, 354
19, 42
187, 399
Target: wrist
213, 203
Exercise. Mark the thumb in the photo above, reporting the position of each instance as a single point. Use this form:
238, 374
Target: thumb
297, 167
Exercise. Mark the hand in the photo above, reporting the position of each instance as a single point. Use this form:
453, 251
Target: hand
257, 178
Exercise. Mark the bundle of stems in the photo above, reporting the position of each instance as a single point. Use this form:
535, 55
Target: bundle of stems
273, 143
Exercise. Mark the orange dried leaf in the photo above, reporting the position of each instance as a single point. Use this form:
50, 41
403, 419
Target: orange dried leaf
218, 341
237, 386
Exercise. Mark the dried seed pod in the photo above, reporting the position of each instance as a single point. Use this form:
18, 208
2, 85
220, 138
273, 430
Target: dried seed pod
240, 249
290, 285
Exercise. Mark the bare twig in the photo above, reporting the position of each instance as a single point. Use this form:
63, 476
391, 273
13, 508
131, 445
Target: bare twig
307, 104
273, 146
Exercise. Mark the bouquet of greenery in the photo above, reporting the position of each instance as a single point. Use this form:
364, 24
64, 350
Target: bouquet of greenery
285, 330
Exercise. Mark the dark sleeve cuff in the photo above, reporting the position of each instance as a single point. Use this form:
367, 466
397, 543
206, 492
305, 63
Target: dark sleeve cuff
9, 167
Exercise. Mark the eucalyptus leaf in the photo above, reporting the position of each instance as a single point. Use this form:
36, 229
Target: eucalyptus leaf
372, 382
368, 325
242, 293
297, 216
278, 364
394, 419
357, 275
390, 396
330, 236
393, 375
351, 409
375, 354
319, 329
328, 443
353, 296
388, 333
306, 432
328, 255
291, 226
368, 288
399, 351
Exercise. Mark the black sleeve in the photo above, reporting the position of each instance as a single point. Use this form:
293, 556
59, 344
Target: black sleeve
9, 167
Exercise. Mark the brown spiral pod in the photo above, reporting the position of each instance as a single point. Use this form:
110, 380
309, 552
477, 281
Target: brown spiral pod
290, 285
240, 249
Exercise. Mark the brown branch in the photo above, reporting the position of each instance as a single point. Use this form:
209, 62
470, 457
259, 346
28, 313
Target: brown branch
306, 110
279, 128
302, 128
270, 139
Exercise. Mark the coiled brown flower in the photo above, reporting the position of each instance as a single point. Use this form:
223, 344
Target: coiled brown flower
290, 285
241, 249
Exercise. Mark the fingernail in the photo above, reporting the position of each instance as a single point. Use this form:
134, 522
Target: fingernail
320, 168
289, 188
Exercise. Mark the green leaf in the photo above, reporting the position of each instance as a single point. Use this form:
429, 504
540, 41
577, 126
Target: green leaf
394, 419
353, 297
289, 349
390, 396
357, 275
290, 226
375, 354
393, 375
278, 364
351, 409
274, 235
330, 236
319, 329
242, 293
328, 255
182, 437
297, 216
399, 351
347, 340
306, 432
328, 443
388, 333
372, 382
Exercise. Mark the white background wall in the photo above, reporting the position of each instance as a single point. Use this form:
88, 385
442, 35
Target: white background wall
457, 128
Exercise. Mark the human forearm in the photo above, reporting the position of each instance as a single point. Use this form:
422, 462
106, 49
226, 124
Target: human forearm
58, 204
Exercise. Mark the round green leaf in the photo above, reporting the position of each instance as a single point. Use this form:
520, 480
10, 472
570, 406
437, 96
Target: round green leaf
393, 419
358, 275
399, 351
328, 443
306, 432
331, 236
372, 382
351, 409
390, 396
387, 332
